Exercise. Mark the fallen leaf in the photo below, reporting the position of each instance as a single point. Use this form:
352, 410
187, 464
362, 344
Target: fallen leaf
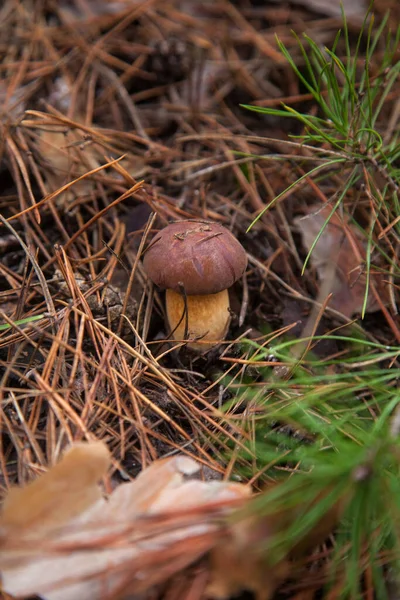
65, 541
62, 540
339, 257
241, 560
60, 494
238, 563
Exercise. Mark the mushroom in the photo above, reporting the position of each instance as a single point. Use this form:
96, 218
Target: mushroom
196, 262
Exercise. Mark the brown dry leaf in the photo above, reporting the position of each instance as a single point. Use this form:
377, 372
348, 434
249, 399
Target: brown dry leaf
240, 561
62, 493
67, 156
238, 564
70, 149
142, 534
340, 256
61, 539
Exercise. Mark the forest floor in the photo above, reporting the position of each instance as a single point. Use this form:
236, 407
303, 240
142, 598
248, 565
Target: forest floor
117, 118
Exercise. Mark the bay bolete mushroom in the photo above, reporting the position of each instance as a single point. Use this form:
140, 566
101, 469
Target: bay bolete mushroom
196, 262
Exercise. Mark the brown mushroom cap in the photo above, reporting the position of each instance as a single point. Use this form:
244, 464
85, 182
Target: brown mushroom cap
198, 256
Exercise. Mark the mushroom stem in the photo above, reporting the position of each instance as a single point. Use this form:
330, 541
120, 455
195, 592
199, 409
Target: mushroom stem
208, 318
